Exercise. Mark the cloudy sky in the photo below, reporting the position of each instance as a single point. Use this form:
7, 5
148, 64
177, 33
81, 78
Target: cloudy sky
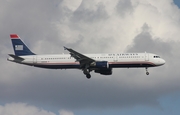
91, 26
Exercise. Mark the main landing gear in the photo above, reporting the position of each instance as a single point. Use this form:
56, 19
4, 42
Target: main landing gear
88, 76
147, 73
86, 71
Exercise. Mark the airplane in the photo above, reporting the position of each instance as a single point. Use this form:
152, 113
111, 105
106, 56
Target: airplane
99, 63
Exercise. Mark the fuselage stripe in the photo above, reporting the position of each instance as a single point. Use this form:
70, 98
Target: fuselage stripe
110, 63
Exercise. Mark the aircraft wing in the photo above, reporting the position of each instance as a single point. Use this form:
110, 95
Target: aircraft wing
82, 59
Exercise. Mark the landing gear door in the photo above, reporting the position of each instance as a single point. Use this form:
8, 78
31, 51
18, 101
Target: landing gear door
146, 56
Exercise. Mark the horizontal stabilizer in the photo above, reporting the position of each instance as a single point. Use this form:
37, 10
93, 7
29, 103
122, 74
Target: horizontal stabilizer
16, 57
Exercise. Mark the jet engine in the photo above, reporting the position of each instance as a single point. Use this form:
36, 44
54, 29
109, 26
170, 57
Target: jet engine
100, 64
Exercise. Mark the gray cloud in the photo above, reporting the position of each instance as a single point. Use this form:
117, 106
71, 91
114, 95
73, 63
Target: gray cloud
89, 15
124, 7
144, 42
30, 18
25, 109
76, 92
49, 25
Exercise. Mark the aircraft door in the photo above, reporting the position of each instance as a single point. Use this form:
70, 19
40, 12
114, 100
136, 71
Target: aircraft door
34, 59
115, 58
146, 56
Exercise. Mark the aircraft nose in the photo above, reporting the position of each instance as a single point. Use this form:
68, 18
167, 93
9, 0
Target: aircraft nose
163, 61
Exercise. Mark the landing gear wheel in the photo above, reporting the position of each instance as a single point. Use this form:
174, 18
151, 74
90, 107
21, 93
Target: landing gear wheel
147, 73
88, 76
86, 71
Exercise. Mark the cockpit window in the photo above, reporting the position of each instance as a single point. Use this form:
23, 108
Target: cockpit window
156, 56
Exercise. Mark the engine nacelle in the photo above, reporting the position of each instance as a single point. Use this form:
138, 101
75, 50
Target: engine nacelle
100, 64
104, 71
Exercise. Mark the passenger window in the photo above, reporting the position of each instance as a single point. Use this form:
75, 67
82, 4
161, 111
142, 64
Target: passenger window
156, 56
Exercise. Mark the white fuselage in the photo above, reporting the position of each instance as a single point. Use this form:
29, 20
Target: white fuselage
119, 60
99, 63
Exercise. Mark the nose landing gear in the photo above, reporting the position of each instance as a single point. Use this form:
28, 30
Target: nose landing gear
147, 73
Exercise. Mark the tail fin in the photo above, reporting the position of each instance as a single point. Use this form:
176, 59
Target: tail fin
20, 49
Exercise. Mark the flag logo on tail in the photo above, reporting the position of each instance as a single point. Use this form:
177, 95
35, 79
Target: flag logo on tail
18, 47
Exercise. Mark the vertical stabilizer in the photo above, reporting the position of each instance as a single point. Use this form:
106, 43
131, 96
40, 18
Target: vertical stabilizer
20, 49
